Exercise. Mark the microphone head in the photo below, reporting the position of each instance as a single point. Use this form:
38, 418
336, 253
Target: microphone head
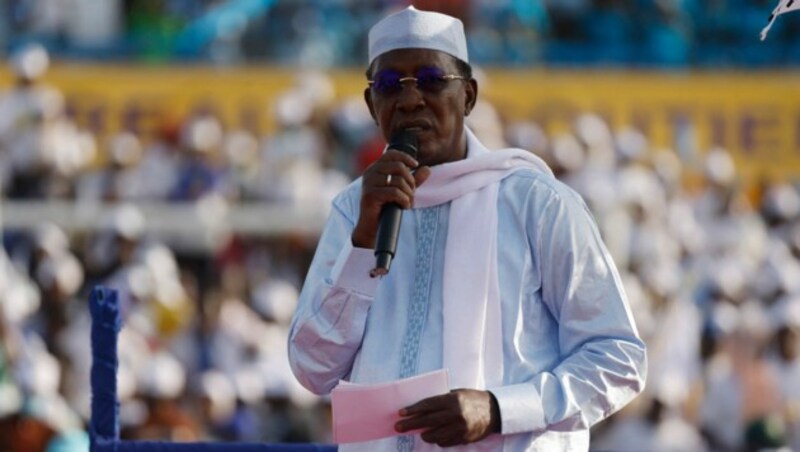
404, 141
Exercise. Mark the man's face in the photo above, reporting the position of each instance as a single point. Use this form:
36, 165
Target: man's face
435, 115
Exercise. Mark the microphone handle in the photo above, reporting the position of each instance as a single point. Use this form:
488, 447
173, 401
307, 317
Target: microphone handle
386, 242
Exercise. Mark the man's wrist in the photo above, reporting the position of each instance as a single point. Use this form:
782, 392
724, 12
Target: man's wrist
496, 418
361, 240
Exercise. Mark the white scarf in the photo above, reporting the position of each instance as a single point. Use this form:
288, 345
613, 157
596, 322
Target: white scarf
472, 339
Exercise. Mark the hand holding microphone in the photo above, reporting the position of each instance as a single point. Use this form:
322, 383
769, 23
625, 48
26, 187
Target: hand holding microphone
391, 213
388, 187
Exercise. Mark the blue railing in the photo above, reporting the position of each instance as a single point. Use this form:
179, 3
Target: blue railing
104, 422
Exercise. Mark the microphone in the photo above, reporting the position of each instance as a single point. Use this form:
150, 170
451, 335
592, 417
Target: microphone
391, 214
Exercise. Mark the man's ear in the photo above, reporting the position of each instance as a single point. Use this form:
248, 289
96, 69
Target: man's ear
471, 97
368, 100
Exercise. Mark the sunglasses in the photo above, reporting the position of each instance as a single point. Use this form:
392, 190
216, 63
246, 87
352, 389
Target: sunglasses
428, 79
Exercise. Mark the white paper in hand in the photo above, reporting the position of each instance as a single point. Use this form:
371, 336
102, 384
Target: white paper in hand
368, 412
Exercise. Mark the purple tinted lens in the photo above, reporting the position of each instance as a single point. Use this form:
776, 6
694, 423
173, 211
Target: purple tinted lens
387, 82
431, 79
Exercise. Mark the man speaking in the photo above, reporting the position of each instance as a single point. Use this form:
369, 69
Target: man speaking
499, 274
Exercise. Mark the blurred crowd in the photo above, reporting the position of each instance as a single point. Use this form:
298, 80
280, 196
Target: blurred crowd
203, 352
712, 271
325, 33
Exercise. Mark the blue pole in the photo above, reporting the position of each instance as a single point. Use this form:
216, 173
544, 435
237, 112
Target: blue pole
106, 323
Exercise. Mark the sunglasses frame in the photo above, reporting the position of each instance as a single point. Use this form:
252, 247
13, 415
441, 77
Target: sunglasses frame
402, 80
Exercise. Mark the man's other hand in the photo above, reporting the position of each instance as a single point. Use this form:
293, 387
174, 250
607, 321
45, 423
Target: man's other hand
459, 417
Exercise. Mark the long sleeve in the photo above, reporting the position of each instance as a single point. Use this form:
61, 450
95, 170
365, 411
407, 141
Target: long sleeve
602, 363
571, 353
328, 326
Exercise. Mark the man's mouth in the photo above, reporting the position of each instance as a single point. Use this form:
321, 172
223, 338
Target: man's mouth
415, 127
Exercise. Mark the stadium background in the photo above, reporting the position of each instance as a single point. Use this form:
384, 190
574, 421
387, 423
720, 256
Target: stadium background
199, 143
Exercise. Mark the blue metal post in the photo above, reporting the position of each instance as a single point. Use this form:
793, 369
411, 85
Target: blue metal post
106, 323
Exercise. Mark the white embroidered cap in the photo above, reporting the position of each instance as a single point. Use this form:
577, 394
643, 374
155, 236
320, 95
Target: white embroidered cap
415, 29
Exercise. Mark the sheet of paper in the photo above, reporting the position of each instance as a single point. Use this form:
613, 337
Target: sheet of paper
368, 412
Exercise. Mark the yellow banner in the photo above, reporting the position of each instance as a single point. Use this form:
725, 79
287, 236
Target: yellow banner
755, 116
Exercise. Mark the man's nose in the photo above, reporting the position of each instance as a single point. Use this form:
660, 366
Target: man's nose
410, 97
